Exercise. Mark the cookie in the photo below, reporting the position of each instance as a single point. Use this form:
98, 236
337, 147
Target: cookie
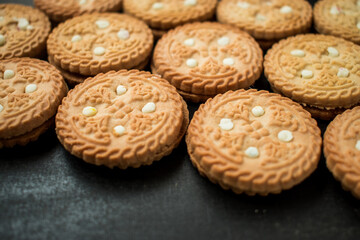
167, 14
340, 18
122, 119
23, 31
31, 93
318, 71
204, 59
99, 42
267, 20
253, 142
61, 10
342, 149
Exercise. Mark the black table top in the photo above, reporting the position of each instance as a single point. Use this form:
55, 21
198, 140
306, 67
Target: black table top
46, 193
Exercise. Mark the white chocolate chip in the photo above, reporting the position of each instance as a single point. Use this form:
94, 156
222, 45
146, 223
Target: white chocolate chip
82, 2
102, 24
298, 53
358, 25
123, 34
22, 23
226, 124
228, 61
1, 108
149, 108
223, 41
99, 51
307, 74
120, 90
286, 9
260, 17
1, 18
76, 38
119, 130
191, 62
189, 42
89, 111
2, 40
258, 111
243, 5
343, 72
30, 88
334, 10
358, 3
357, 144
30, 27
9, 74
190, 2
158, 5
285, 136
333, 52
252, 152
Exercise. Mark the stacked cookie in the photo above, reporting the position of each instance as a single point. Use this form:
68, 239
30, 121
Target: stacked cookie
164, 15
95, 43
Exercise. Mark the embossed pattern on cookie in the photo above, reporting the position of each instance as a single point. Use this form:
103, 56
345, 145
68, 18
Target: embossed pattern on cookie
342, 149
23, 31
31, 92
122, 119
340, 18
315, 70
60, 10
254, 142
100, 42
207, 58
166, 14
267, 19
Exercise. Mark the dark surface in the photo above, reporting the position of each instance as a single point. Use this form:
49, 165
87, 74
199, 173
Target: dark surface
45, 193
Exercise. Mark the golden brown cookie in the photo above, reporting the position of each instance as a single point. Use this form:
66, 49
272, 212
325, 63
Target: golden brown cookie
267, 20
167, 14
100, 42
23, 31
340, 18
318, 71
31, 93
204, 59
253, 142
122, 119
61, 10
342, 149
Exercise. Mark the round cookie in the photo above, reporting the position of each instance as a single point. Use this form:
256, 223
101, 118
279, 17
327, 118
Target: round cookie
122, 119
204, 59
340, 18
23, 31
342, 149
318, 71
253, 142
31, 93
166, 14
267, 20
100, 42
61, 10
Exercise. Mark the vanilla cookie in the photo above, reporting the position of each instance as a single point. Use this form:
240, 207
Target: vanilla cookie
320, 72
342, 149
340, 18
166, 14
253, 142
96, 43
204, 59
122, 119
23, 31
267, 20
31, 93
61, 10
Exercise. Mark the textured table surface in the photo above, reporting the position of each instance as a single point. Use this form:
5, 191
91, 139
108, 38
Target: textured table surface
45, 193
